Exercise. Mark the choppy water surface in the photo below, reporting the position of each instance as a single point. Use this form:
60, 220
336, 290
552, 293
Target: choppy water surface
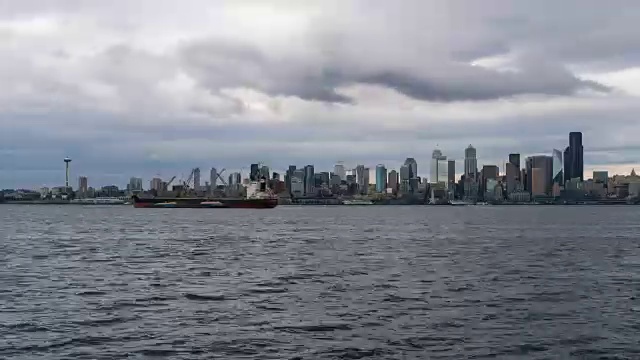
320, 283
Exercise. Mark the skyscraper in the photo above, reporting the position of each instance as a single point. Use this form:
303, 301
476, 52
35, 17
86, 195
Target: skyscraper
470, 163
264, 172
413, 167
513, 174
439, 167
367, 174
451, 171
381, 178
393, 180
515, 160
339, 170
556, 176
576, 155
196, 179
254, 172
309, 180
288, 176
405, 176
545, 164
568, 173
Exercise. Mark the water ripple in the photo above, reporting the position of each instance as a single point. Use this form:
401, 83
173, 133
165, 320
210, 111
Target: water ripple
320, 283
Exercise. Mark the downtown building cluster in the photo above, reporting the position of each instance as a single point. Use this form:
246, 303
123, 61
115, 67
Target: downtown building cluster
547, 178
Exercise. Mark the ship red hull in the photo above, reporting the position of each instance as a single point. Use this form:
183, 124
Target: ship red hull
202, 203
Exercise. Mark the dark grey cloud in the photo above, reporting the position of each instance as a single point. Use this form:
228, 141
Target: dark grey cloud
147, 87
222, 64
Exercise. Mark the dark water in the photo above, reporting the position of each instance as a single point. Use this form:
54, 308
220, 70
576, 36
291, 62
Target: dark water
320, 283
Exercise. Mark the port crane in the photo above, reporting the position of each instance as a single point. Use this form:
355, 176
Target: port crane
219, 176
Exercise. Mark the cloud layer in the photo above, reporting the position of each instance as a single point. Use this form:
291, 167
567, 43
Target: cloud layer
156, 87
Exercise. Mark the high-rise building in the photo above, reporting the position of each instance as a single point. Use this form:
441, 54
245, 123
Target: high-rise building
538, 182
309, 180
298, 182
439, 168
490, 172
340, 171
557, 173
393, 182
196, 179
601, 177
83, 185
254, 172
288, 175
573, 157
545, 164
413, 167
264, 172
513, 176
135, 184
381, 178
470, 163
213, 178
156, 184
405, 176
367, 175
568, 174
451, 171
360, 180
514, 159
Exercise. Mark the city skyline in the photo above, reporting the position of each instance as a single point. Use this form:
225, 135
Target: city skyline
558, 165
172, 86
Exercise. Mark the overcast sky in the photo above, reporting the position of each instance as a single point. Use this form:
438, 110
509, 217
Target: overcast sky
147, 88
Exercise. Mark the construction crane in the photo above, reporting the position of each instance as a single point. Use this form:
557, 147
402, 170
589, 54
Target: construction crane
219, 175
166, 187
184, 189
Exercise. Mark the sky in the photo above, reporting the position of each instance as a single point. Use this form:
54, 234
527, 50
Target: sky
154, 87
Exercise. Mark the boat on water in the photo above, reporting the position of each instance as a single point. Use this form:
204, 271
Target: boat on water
357, 202
99, 201
459, 203
258, 196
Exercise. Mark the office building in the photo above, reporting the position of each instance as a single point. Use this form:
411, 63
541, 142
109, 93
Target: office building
514, 159
439, 168
538, 181
156, 184
512, 177
381, 178
254, 172
135, 185
573, 158
451, 171
309, 180
83, 185
601, 177
557, 172
340, 171
545, 164
413, 167
196, 179
393, 180
470, 164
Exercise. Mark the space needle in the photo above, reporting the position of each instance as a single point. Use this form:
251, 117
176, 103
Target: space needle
67, 160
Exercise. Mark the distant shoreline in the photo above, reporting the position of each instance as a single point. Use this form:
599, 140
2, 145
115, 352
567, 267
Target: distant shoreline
47, 203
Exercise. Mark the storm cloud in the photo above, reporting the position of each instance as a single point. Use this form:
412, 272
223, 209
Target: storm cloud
156, 87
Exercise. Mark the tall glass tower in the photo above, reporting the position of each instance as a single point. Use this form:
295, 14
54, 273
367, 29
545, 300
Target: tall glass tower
557, 173
381, 178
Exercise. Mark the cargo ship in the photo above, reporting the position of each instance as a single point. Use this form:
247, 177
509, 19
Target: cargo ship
258, 196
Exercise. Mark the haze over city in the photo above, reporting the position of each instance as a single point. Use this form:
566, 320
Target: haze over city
150, 88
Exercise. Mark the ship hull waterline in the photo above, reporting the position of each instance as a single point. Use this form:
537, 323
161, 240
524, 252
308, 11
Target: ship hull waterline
203, 203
